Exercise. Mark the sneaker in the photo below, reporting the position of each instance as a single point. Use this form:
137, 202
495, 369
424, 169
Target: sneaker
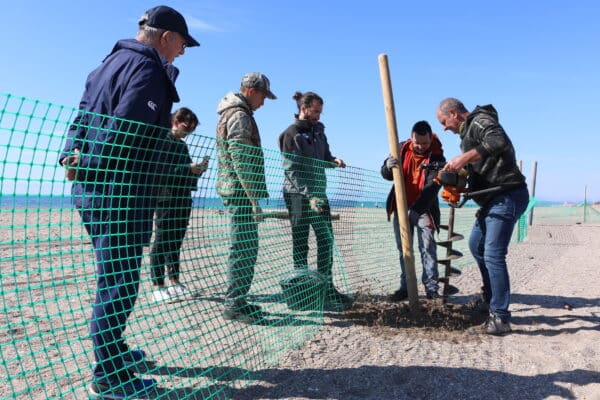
161, 295
493, 326
433, 295
134, 357
399, 295
178, 292
134, 388
244, 312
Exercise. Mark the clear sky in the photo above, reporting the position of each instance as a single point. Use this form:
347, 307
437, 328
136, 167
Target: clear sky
537, 62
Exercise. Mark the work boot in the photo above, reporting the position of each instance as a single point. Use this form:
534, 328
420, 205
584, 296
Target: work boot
493, 326
432, 295
242, 311
125, 386
333, 294
399, 295
336, 301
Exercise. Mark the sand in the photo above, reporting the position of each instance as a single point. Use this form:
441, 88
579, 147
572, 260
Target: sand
551, 354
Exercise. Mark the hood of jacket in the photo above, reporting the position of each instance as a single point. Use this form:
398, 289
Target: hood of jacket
497, 167
233, 100
487, 111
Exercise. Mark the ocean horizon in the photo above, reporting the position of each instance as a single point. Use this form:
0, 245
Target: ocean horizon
64, 201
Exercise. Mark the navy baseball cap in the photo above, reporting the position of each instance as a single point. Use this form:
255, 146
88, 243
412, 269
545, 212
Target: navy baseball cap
164, 17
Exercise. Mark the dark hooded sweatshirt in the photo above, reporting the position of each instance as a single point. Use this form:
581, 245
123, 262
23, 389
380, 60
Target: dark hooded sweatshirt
498, 166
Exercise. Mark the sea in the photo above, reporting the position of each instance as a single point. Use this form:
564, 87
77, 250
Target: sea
59, 201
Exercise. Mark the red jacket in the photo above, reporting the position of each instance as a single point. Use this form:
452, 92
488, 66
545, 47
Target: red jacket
427, 201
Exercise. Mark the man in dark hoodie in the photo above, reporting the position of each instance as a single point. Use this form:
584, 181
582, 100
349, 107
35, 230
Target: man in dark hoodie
423, 147
489, 157
112, 154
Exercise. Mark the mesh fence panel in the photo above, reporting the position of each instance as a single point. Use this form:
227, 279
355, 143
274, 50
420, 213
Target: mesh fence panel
48, 276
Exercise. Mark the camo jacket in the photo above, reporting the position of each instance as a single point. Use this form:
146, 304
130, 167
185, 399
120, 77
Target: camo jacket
241, 166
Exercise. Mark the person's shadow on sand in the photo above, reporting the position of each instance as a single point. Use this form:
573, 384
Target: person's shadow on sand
584, 319
419, 382
374, 382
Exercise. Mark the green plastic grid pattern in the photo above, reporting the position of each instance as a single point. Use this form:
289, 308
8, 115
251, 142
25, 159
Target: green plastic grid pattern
48, 274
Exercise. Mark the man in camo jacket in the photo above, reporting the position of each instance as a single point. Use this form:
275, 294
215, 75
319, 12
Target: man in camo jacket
241, 184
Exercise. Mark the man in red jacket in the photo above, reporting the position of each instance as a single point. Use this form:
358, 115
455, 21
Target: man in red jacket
422, 201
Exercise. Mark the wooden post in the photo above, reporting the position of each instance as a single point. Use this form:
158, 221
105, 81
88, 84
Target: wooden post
400, 191
532, 189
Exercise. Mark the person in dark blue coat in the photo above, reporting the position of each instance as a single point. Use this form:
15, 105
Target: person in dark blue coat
111, 155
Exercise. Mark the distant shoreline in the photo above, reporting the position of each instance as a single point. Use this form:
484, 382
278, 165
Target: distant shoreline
64, 202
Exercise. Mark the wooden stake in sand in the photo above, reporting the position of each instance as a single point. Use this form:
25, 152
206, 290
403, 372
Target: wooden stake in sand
400, 191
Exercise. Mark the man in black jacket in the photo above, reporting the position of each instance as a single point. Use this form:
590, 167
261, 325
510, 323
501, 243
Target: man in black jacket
422, 201
306, 154
489, 156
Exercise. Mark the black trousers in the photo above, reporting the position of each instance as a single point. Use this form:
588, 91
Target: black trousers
171, 221
301, 219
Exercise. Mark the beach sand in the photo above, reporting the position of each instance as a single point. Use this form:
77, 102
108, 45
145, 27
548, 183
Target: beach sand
551, 354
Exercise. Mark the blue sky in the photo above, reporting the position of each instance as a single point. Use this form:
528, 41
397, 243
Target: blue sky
538, 63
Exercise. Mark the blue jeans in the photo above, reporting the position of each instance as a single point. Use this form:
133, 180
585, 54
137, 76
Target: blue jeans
427, 248
489, 242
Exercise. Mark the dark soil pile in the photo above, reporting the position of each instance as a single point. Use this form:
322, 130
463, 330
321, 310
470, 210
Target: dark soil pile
433, 315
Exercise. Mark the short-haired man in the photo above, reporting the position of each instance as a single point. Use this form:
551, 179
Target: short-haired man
423, 147
111, 154
241, 184
489, 157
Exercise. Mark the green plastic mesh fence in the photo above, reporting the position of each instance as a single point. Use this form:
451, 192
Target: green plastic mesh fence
565, 214
155, 223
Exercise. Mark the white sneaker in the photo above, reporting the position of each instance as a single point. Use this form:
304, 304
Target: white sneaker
161, 295
179, 292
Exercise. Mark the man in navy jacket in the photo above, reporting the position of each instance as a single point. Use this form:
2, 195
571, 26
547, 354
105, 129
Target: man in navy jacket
112, 154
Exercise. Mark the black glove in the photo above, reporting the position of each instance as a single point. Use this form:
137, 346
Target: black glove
391, 162
413, 217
